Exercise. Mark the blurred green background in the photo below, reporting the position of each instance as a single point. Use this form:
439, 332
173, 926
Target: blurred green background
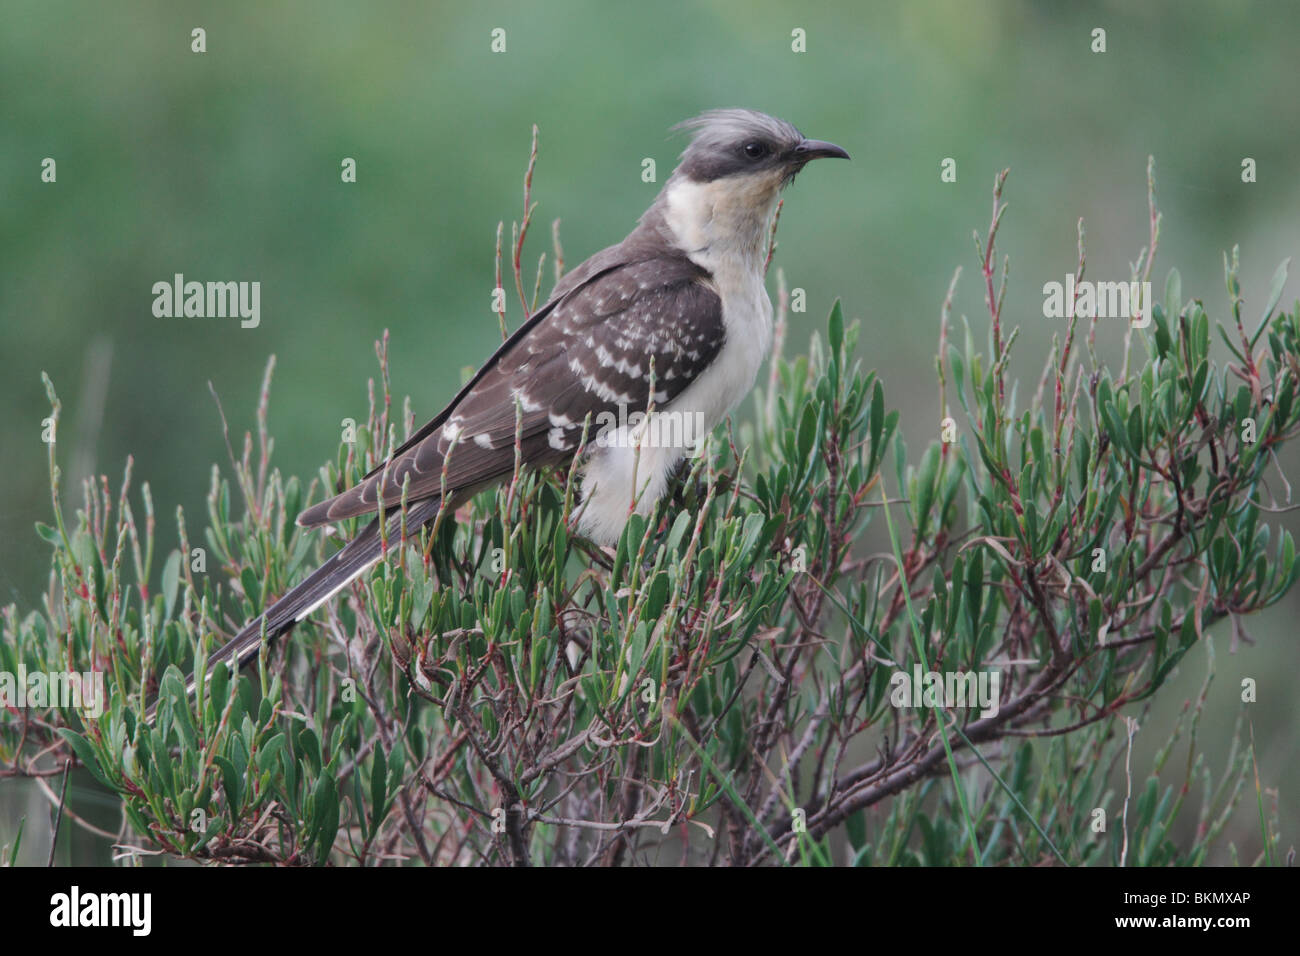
226, 166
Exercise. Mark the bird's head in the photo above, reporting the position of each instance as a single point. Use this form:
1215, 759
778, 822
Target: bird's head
719, 199
748, 149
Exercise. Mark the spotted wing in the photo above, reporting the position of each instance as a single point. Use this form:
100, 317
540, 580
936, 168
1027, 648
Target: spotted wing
590, 353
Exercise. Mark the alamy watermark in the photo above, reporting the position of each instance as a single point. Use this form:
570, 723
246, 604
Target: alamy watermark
208, 300
684, 430
1098, 300
76, 908
43, 689
948, 689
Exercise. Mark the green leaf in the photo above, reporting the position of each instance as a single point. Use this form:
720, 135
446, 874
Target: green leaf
18, 842
807, 433
1135, 430
171, 577
1173, 295
378, 790
1274, 297
1115, 426
85, 754
268, 756
309, 744
252, 590
325, 824
232, 782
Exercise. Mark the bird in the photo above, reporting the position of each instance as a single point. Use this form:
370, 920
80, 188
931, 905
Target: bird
675, 319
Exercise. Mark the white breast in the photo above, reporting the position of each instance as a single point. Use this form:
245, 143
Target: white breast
723, 230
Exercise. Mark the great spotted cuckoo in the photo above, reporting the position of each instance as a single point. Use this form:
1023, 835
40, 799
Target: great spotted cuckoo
679, 306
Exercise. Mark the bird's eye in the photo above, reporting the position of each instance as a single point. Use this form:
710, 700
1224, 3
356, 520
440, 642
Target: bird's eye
756, 150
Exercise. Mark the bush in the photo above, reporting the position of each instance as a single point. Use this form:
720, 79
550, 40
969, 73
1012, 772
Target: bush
730, 684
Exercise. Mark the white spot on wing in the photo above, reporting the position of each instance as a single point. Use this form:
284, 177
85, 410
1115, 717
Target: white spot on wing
526, 403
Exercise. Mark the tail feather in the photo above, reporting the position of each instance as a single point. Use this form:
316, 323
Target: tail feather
318, 587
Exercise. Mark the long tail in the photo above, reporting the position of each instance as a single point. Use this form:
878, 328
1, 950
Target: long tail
322, 584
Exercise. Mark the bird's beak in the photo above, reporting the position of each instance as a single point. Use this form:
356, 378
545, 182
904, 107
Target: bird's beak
811, 149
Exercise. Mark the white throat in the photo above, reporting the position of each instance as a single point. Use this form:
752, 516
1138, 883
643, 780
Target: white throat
724, 224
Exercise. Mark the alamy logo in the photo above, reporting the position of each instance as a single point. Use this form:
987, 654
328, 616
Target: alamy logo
208, 300
43, 689
76, 908
947, 690
1098, 300
667, 429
